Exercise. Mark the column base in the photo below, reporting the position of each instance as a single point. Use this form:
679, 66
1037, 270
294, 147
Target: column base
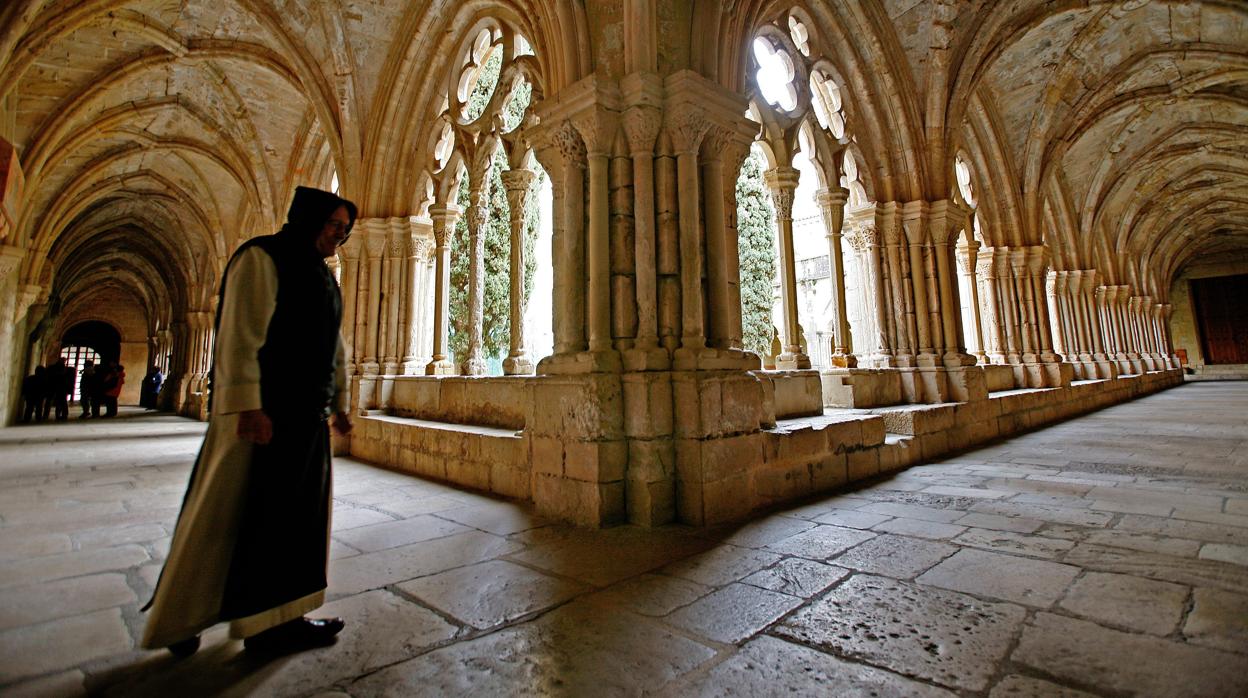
792, 362
1105, 368
440, 367
650, 359
861, 387
844, 360
519, 365
710, 359
415, 366
572, 363
390, 368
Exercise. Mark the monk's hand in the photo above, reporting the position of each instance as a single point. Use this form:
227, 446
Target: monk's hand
255, 426
342, 423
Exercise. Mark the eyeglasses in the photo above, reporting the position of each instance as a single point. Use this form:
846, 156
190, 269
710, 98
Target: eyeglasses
339, 230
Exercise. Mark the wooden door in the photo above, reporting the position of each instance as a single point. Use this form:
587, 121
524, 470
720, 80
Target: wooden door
1222, 315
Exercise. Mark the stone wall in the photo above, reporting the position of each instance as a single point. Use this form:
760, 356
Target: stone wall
698, 447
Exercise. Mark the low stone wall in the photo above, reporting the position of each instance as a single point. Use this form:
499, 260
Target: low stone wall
602, 448
500, 401
803, 457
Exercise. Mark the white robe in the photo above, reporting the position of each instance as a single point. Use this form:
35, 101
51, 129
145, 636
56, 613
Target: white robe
188, 598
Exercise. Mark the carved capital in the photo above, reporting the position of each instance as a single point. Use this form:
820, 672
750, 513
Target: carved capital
597, 127
686, 125
782, 182
641, 127
444, 220
10, 257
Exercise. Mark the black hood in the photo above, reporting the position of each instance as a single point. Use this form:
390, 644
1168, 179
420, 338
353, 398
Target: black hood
308, 212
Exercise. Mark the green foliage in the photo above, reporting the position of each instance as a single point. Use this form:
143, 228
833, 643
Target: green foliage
756, 225
496, 334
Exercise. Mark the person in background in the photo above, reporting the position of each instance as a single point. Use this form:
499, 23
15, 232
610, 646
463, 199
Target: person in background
151, 388
86, 388
33, 395
114, 380
60, 387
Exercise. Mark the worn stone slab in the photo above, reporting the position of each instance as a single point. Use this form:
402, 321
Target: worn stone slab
919, 528
797, 577
375, 570
1017, 524
734, 613
61, 644
911, 511
1156, 566
1130, 603
722, 565
821, 542
499, 518
849, 518
575, 650
1014, 543
1218, 619
759, 533
67, 684
610, 556
1128, 663
946, 637
650, 594
1176, 528
895, 556
393, 534
1234, 554
768, 666
16, 546
1022, 580
52, 567
1016, 686
501, 591
59, 599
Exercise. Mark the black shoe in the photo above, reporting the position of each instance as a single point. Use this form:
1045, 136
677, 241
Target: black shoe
185, 648
297, 635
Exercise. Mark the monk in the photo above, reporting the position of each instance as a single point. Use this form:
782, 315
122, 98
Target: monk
251, 542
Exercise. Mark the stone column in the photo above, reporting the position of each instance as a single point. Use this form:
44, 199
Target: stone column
349, 274
967, 271
901, 315
398, 254
417, 305
946, 222
687, 126
782, 181
374, 232
641, 125
444, 219
832, 207
874, 290
1026, 304
478, 216
721, 243
915, 229
988, 276
1055, 290
518, 184
598, 127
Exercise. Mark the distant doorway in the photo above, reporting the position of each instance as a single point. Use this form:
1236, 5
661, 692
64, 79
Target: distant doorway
93, 341
1220, 303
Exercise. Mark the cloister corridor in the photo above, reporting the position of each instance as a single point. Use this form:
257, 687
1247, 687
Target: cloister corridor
1107, 555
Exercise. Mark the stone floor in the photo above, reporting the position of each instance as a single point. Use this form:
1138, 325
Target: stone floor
1104, 556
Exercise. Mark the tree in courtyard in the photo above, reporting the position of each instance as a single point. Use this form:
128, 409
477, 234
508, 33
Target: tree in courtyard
496, 333
756, 225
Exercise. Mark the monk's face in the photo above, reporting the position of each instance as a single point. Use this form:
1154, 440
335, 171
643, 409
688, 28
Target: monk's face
334, 232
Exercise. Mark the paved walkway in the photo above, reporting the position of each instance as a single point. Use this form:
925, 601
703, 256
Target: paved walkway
1107, 555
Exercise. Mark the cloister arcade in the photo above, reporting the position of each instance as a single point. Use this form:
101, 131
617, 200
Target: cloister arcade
1007, 194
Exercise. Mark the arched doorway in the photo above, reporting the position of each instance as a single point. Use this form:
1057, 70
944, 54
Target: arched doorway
93, 341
